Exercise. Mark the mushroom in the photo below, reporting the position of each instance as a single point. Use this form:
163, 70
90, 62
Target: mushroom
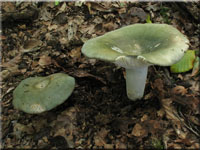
136, 47
38, 94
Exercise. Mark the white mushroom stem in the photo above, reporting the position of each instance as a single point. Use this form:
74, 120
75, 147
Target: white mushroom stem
135, 82
136, 75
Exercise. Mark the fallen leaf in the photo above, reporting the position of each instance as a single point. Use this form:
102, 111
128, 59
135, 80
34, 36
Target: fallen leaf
122, 10
44, 60
120, 145
19, 129
161, 113
103, 132
170, 111
196, 67
52, 27
158, 84
138, 12
179, 90
144, 118
82, 73
138, 130
9, 7
75, 53
12, 63
31, 46
45, 15
98, 141
5, 74
110, 26
96, 6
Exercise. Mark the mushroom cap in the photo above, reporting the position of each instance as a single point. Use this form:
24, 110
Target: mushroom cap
38, 94
159, 44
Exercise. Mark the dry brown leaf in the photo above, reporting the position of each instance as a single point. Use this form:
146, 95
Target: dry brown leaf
195, 86
99, 138
19, 129
52, 27
195, 146
174, 146
139, 12
195, 104
2, 37
99, 141
108, 146
89, 29
8, 7
149, 95
75, 53
158, 84
120, 145
5, 74
103, 132
161, 113
144, 118
97, 6
122, 10
12, 63
138, 130
110, 26
44, 60
170, 111
45, 14
31, 45
62, 8
82, 73
179, 90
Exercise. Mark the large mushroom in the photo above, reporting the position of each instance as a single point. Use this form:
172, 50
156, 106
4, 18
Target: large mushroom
38, 94
135, 47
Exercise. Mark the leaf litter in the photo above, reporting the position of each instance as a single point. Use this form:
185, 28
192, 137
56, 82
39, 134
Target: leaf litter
98, 114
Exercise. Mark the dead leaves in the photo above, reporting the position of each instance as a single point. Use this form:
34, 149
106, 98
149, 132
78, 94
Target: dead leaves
66, 125
143, 128
12, 64
138, 130
10, 68
100, 139
179, 90
44, 60
53, 47
75, 53
31, 46
81, 74
138, 12
97, 6
19, 129
179, 122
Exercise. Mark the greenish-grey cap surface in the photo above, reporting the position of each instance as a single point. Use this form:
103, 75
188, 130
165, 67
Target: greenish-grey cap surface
38, 94
159, 44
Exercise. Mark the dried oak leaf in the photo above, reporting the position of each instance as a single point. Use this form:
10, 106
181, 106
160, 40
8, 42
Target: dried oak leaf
179, 90
139, 131
44, 60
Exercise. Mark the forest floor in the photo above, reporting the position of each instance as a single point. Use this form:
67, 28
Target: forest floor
39, 39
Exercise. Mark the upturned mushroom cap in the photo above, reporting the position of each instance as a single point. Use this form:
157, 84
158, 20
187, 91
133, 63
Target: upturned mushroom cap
159, 44
38, 94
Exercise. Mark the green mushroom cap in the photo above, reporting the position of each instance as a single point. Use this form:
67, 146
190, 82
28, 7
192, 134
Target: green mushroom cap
38, 94
159, 44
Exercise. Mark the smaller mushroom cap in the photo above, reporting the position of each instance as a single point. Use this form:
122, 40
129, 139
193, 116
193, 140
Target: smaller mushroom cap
38, 94
159, 44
